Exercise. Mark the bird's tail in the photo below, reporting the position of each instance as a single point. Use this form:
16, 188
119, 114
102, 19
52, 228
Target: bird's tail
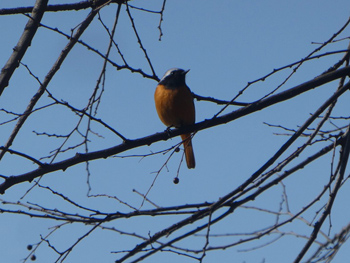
186, 138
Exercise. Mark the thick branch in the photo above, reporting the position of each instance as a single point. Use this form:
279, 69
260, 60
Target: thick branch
55, 8
47, 80
23, 44
130, 144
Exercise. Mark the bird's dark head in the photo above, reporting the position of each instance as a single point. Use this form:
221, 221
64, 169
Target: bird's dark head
174, 77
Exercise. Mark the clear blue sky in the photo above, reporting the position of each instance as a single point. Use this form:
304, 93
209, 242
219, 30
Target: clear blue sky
225, 44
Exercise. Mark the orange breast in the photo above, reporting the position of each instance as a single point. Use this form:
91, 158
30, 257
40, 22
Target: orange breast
174, 106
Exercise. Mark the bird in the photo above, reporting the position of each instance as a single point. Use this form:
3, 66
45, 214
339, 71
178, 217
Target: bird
175, 107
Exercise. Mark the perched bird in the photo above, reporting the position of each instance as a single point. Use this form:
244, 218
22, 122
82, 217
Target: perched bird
175, 106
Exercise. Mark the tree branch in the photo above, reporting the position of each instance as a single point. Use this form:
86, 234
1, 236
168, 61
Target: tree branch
130, 144
23, 43
47, 79
56, 8
327, 211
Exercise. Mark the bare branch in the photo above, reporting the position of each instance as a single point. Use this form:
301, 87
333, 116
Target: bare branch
130, 144
47, 79
343, 163
23, 44
57, 8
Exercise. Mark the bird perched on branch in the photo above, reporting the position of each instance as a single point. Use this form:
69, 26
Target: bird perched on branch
175, 106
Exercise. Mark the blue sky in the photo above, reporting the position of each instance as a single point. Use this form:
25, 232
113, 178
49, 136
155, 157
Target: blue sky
226, 45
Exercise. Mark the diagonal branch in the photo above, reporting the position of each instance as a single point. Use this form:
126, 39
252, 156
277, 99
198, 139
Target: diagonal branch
130, 144
47, 80
23, 44
343, 163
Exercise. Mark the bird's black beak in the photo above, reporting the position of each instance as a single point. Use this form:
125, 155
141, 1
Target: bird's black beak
186, 71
